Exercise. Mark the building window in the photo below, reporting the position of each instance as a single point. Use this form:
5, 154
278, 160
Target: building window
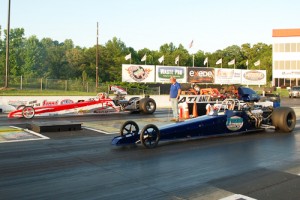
276, 47
281, 47
275, 65
298, 48
293, 64
287, 47
298, 64
287, 65
293, 47
281, 65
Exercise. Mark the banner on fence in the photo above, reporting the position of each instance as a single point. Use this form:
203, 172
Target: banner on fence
200, 75
254, 77
163, 74
228, 76
138, 73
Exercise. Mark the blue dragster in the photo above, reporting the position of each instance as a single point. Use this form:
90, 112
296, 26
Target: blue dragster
230, 117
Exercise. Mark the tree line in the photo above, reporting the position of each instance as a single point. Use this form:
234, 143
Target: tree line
47, 58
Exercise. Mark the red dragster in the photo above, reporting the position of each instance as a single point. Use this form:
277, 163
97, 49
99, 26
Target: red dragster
102, 103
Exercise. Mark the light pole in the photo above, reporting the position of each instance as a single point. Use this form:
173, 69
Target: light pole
97, 78
7, 47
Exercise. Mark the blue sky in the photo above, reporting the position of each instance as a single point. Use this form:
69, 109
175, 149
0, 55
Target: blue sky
212, 24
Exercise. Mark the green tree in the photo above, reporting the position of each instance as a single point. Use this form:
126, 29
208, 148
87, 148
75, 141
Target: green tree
2, 55
15, 51
33, 55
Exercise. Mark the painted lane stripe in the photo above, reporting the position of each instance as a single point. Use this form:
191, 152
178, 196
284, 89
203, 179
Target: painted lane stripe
9, 130
99, 131
237, 197
40, 137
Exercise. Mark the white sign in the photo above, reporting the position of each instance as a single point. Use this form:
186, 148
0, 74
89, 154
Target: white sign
228, 76
286, 73
138, 73
254, 77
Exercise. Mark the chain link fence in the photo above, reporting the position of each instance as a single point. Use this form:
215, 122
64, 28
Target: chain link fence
23, 83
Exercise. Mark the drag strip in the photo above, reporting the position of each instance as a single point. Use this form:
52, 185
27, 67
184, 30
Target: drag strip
84, 165
88, 167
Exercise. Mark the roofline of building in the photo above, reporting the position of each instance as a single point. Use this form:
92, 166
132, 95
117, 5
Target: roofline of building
286, 32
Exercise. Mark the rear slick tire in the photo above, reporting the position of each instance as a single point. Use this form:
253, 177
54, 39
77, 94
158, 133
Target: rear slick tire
147, 106
284, 119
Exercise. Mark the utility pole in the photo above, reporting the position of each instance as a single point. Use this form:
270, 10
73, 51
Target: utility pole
7, 47
97, 78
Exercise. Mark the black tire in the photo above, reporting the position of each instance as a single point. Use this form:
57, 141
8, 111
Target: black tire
129, 127
147, 106
284, 119
28, 112
150, 136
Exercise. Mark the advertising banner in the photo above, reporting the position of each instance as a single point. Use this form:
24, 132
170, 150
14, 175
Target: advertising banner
138, 73
286, 73
254, 77
228, 76
200, 75
163, 74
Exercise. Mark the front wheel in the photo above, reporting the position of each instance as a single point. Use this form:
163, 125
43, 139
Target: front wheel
284, 119
129, 127
150, 136
28, 112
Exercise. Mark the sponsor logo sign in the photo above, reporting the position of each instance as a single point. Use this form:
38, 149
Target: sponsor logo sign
200, 75
234, 123
138, 73
254, 77
163, 73
228, 76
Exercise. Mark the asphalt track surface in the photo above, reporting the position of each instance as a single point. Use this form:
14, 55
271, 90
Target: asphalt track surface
83, 165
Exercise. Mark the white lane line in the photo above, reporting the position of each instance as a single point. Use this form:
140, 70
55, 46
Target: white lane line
237, 197
40, 137
99, 131
37, 134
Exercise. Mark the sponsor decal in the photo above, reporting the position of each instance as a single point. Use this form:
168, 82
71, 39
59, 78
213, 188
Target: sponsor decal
201, 75
50, 103
17, 103
66, 101
254, 75
138, 73
234, 123
194, 98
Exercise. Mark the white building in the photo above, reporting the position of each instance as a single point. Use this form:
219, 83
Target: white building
286, 57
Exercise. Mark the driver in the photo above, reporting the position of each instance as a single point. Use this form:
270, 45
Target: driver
102, 95
209, 109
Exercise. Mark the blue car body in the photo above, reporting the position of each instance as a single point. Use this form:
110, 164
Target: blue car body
247, 94
231, 122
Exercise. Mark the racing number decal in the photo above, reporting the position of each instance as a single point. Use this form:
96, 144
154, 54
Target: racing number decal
234, 123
